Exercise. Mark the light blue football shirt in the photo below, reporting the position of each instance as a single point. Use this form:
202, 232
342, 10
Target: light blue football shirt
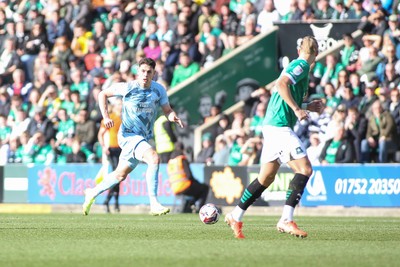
140, 107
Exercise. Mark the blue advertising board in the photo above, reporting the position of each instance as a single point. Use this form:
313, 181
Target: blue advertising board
354, 185
65, 184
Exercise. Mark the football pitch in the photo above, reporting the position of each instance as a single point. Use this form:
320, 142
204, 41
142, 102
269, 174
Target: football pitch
182, 240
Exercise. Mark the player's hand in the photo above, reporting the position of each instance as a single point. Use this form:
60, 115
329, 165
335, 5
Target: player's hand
178, 121
316, 106
301, 114
108, 123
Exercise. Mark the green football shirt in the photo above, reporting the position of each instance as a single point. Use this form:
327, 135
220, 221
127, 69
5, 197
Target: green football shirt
279, 113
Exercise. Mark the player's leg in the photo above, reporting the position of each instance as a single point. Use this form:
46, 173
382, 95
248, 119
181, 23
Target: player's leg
250, 195
303, 170
147, 154
109, 181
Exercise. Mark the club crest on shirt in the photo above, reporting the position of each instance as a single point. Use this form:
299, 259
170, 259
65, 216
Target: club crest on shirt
299, 150
298, 70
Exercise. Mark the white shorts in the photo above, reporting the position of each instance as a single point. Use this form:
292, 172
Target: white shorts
281, 143
133, 148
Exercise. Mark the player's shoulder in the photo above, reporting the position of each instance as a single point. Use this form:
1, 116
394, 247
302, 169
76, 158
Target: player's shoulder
158, 86
298, 66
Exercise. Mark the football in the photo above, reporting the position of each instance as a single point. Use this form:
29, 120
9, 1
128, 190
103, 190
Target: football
209, 213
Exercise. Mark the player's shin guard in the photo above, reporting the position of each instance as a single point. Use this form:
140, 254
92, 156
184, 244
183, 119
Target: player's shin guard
296, 189
250, 194
152, 179
109, 181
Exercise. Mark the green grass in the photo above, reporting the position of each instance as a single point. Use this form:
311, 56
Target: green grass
182, 240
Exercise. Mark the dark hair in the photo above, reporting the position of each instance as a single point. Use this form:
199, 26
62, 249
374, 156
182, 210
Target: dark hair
147, 61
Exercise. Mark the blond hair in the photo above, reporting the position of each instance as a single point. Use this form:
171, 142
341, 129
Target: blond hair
309, 45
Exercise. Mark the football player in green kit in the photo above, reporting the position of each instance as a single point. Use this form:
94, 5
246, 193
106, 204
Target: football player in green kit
281, 145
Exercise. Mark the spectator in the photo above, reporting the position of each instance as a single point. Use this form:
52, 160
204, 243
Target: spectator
50, 101
85, 129
257, 120
221, 154
355, 83
184, 70
349, 53
136, 35
248, 12
341, 11
381, 137
78, 13
267, 17
390, 79
80, 41
79, 84
40, 123
10, 61
394, 107
228, 23
249, 32
56, 27
99, 34
207, 149
303, 11
61, 53
5, 102
357, 11
153, 49
209, 15
293, 10
368, 98
368, 67
77, 155
324, 11
21, 123
340, 149
20, 86
41, 151
250, 152
314, 149
64, 126
132, 13
5, 131
356, 129
211, 53
330, 98
349, 100
150, 14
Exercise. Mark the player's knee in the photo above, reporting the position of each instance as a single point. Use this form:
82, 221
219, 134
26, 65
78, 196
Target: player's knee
306, 170
154, 158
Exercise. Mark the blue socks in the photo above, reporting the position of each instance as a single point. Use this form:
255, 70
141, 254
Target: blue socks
152, 179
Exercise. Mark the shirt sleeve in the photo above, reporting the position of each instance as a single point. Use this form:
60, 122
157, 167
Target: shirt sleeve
163, 96
296, 71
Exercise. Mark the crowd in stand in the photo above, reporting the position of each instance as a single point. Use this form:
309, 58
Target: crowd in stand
57, 55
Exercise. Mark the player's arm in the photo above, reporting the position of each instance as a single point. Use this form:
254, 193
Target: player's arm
103, 105
283, 88
171, 115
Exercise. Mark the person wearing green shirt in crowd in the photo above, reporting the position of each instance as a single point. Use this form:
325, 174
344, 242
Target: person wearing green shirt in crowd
185, 69
331, 100
80, 85
339, 149
349, 53
65, 125
257, 120
329, 72
5, 131
41, 152
281, 144
22, 153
